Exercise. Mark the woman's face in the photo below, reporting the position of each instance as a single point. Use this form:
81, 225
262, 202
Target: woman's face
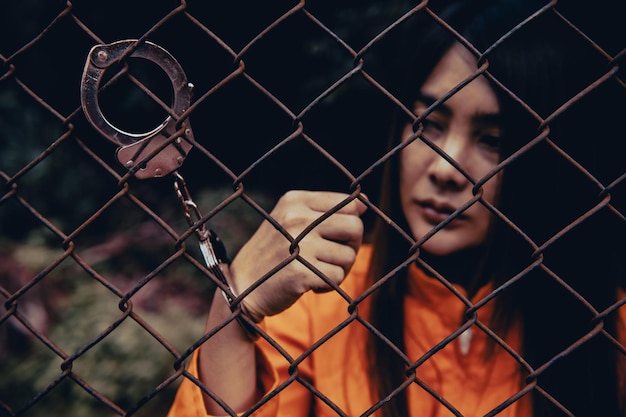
466, 127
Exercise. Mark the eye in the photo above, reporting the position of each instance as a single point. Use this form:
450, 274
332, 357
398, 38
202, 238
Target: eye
432, 128
492, 143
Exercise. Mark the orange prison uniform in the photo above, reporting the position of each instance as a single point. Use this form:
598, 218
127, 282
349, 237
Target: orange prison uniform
338, 368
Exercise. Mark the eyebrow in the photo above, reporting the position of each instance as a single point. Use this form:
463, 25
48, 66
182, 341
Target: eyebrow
484, 119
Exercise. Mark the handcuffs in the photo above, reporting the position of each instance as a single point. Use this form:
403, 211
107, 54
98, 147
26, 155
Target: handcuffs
160, 151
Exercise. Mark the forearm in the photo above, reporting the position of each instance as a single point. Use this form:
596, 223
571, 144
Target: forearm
227, 362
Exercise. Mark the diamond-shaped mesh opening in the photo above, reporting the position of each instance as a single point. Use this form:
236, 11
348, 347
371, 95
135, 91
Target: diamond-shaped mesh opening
305, 68
235, 28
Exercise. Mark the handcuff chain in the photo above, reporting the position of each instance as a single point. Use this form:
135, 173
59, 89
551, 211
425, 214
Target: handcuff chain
211, 247
212, 250
190, 208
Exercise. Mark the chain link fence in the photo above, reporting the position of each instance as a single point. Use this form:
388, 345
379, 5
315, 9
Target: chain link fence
101, 279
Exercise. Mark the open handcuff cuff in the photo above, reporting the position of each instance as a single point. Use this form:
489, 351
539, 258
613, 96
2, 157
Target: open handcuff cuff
160, 151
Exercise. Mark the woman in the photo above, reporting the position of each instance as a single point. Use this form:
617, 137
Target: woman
452, 309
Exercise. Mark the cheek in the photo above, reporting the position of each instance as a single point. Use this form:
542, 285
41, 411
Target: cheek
414, 160
491, 189
411, 170
412, 155
405, 182
482, 214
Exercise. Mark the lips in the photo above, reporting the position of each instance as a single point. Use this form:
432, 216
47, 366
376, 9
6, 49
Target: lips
434, 212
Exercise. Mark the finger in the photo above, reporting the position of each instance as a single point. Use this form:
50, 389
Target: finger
324, 201
332, 259
333, 273
343, 228
337, 254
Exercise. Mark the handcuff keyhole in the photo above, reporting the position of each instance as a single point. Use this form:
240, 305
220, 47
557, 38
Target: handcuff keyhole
126, 105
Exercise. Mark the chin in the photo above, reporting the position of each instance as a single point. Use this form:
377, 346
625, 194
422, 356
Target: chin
440, 249
448, 241
445, 244
441, 243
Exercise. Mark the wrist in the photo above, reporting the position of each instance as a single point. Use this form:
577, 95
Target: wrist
246, 320
217, 261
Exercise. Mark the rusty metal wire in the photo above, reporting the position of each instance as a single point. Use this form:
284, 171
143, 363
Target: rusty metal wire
90, 202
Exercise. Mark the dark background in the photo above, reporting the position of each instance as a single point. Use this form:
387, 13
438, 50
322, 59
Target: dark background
43, 48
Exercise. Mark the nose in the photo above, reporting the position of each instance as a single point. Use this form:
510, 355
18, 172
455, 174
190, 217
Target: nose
443, 174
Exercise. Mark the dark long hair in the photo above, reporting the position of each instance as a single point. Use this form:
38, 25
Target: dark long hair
544, 64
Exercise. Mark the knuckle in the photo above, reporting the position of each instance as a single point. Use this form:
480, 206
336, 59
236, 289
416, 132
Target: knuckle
357, 224
350, 256
354, 226
292, 220
291, 197
336, 274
